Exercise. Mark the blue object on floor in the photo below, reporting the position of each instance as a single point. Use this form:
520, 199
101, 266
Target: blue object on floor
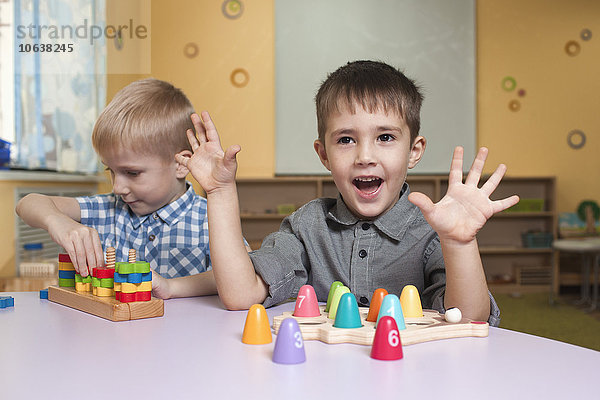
44, 294
7, 301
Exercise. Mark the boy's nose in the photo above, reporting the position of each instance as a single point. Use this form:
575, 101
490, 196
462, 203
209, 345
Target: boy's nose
365, 155
119, 185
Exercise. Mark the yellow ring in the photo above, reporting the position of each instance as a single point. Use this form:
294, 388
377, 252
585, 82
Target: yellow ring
572, 48
239, 73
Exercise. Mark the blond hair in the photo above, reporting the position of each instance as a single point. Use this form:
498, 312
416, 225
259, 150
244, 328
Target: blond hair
149, 116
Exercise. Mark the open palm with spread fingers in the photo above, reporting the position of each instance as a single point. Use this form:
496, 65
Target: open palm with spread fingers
465, 208
212, 167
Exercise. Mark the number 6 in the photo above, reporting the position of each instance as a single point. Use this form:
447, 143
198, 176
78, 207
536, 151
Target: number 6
393, 338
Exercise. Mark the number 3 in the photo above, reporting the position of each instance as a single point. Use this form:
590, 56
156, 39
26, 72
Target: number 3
298, 337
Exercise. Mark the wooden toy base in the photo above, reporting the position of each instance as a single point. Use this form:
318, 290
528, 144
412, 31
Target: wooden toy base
106, 307
432, 326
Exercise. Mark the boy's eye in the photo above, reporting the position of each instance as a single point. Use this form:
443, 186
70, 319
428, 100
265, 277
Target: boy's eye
386, 137
133, 173
345, 140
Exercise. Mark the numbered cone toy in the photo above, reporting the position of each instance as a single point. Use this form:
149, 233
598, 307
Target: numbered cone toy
390, 306
306, 303
386, 343
289, 346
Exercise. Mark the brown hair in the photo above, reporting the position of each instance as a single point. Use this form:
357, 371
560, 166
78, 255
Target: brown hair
374, 86
150, 116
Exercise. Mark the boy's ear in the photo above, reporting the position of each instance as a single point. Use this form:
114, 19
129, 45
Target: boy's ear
416, 151
322, 153
182, 171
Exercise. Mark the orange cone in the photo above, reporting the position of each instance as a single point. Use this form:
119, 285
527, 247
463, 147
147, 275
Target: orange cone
376, 300
257, 329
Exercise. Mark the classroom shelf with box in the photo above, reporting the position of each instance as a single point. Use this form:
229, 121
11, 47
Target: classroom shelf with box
507, 261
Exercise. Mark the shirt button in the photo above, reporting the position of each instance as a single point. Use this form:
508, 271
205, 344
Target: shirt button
364, 301
151, 237
362, 253
155, 216
366, 226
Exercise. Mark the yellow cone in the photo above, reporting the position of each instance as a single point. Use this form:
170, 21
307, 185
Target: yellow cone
335, 300
411, 302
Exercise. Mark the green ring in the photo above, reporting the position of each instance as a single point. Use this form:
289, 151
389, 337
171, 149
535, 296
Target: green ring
509, 83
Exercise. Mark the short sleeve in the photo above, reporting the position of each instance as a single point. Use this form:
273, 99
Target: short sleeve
282, 262
96, 210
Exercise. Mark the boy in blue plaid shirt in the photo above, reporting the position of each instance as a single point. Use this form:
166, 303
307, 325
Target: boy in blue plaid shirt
152, 209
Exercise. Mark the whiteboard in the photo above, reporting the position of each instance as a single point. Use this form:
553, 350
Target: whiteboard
431, 41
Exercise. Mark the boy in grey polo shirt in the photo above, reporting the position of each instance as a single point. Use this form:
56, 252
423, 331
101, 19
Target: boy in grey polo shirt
376, 233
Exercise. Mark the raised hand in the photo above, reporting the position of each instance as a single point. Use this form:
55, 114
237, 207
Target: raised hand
209, 164
465, 208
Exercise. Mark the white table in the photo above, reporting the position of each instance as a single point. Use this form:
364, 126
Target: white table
195, 352
589, 249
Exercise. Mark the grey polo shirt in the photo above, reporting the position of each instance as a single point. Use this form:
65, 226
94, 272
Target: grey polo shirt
323, 242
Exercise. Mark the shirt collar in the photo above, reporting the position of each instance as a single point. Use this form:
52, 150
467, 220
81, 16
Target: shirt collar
169, 213
393, 223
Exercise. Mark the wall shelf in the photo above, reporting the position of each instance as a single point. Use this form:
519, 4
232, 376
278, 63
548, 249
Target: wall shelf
500, 245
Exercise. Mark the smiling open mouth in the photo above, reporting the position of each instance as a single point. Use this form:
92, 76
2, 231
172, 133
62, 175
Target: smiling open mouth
367, 184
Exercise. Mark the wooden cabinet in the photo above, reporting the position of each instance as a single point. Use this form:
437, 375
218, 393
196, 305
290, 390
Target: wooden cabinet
509, 265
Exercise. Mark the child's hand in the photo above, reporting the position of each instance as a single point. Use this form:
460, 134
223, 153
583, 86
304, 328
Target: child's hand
465, 208
210, 166
81, 242
160, 286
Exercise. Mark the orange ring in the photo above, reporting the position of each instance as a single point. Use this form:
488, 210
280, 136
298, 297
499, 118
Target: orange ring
191, 50
514, 105
236, 74
572, 48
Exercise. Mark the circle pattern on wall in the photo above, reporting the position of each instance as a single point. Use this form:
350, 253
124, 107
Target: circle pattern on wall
239, 77
576, 139
572, 48
509, 83
521, 92
191, 50
585, 34
514, 105
232, 9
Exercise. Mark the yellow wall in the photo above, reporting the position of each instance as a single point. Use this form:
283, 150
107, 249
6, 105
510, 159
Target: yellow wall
243, 115
246, 115
522, 39
526, 40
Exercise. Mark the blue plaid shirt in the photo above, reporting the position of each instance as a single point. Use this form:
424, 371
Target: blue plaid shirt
173, 239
